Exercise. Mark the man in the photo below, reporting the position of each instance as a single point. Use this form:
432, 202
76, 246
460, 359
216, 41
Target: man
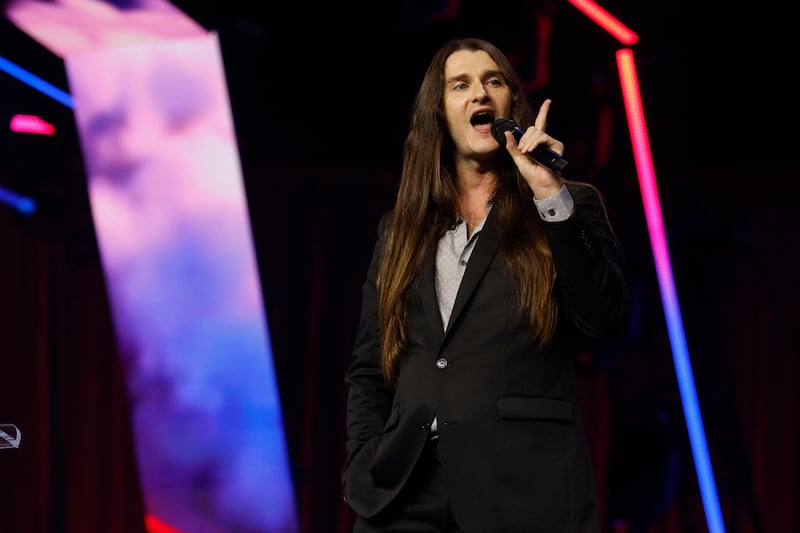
488, 274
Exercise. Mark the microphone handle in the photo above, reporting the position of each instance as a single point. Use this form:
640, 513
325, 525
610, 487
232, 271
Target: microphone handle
545, 156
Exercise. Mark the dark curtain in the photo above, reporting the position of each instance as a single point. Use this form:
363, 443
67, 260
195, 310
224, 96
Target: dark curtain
60, 379
313, 229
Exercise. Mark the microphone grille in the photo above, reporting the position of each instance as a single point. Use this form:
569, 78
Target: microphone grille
500, 126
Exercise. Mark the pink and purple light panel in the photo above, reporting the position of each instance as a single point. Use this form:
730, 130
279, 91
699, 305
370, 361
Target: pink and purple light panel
170, 213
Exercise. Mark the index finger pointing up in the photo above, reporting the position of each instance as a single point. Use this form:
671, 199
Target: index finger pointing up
541, 119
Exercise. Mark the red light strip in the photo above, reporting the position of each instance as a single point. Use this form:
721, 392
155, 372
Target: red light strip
31, 124
606, 21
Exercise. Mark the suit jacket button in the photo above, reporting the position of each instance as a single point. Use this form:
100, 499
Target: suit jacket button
441, 363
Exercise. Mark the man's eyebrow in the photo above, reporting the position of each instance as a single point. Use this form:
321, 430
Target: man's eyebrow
457, 77
486, 74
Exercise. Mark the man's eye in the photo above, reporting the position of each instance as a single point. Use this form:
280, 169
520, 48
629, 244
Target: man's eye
496, 82
460, 86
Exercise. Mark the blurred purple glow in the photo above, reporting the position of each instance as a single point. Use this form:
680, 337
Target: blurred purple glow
173, 231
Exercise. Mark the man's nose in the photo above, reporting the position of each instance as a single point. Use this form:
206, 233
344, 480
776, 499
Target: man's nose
479, 92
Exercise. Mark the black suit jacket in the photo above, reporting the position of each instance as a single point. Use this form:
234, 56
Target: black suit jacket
510, 439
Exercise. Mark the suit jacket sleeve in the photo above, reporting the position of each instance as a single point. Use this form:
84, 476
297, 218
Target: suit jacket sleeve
591, 284
369, 398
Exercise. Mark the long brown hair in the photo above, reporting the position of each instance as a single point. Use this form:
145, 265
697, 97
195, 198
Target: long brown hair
425, 208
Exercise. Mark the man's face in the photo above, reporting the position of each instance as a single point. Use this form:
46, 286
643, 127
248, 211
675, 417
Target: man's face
475, 93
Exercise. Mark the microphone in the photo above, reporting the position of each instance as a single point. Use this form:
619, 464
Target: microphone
542, 154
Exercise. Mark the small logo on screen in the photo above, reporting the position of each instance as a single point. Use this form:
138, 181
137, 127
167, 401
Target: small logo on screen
10, 435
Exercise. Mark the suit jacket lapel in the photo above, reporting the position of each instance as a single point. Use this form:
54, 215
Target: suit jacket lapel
485, 250
428, 293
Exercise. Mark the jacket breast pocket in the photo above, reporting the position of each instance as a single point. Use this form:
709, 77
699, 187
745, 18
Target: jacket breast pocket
517, 407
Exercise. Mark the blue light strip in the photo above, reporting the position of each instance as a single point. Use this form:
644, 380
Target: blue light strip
22, 204
36, 82
691, 406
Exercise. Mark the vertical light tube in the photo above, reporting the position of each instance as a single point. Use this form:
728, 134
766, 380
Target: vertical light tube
666, 283
658, 243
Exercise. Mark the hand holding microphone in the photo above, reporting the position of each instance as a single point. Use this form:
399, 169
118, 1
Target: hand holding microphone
542, 154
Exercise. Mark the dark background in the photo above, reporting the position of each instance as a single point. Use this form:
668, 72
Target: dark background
321, 94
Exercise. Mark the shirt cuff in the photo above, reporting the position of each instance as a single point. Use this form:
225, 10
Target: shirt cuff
556, 208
